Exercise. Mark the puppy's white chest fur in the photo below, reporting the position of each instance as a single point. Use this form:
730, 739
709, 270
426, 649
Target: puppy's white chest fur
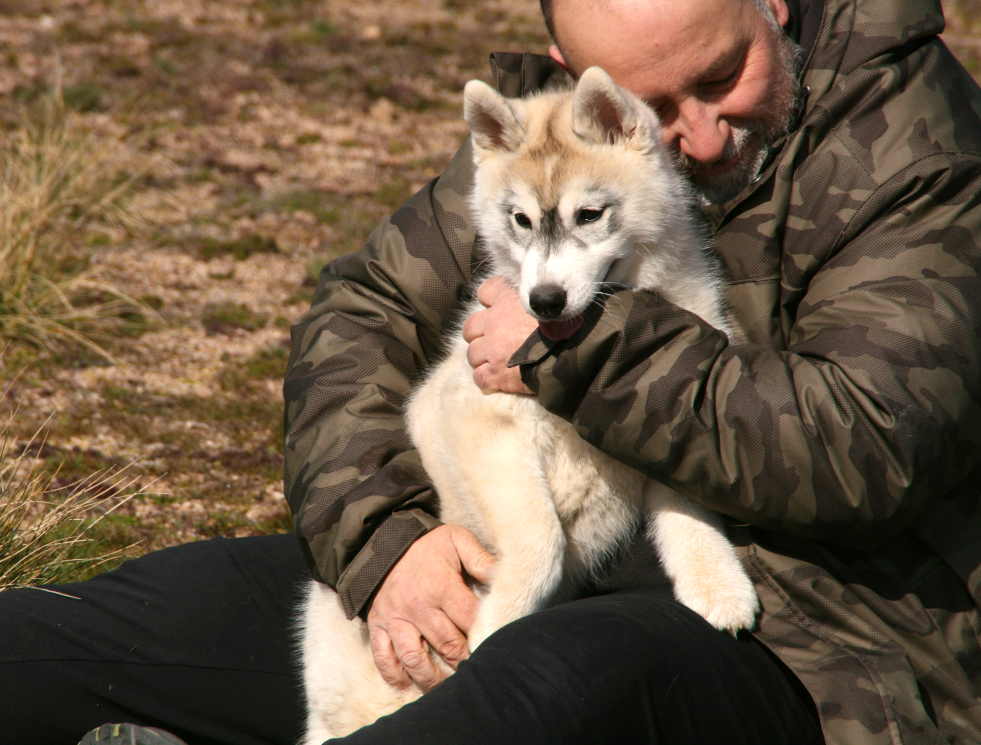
524, 482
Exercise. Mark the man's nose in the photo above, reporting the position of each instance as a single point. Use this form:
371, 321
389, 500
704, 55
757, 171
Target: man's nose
698, 131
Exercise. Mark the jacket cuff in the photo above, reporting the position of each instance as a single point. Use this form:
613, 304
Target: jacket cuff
371, 565
593, 375
561, 372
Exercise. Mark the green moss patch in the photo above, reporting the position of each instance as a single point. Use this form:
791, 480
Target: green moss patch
239, 248
224, 318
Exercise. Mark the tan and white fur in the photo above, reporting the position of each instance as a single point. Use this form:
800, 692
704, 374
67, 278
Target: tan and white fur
573, 190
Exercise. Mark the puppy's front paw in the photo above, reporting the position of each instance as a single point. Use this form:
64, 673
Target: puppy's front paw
729, 606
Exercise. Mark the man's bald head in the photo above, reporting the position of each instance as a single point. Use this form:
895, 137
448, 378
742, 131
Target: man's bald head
548, 13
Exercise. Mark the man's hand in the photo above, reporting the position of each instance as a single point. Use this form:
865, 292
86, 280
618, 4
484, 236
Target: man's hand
495, 334
425, 603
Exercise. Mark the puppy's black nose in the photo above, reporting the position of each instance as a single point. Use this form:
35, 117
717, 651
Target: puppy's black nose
548, 301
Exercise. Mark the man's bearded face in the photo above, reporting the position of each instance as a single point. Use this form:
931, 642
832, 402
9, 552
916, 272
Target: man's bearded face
750, 140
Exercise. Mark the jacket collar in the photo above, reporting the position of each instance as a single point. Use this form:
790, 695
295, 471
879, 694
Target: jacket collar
805, 19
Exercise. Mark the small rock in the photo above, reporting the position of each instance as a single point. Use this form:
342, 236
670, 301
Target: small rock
382, 110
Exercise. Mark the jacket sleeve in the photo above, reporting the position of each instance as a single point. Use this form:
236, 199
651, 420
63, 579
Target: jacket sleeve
871, 407
355, 485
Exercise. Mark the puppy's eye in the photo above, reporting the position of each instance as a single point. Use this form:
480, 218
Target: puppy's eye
584, 215
523, 220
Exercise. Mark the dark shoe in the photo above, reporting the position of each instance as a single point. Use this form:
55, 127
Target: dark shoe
129, 734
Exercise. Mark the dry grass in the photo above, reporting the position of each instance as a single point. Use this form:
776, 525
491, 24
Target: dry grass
46, 530
60, 190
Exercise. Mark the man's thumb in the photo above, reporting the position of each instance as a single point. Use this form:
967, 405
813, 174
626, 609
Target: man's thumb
477, 561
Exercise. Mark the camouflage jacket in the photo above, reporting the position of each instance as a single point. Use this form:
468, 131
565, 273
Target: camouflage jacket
842, 437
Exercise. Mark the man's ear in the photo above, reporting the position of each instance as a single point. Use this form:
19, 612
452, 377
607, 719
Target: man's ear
494, 124
604, 113
556, 54
780, 11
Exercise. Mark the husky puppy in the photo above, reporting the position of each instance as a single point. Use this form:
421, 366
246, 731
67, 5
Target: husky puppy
573, 190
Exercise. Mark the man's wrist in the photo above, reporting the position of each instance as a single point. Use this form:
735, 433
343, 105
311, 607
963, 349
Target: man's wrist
361, 579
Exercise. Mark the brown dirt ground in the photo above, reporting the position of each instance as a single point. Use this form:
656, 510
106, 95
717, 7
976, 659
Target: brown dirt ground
275, 133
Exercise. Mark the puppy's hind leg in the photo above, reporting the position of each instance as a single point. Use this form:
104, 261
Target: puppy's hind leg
700, 561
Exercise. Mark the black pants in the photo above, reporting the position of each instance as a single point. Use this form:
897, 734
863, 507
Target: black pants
196, 639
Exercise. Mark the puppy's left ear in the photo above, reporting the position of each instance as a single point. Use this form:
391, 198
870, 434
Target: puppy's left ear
605, 113
494, 123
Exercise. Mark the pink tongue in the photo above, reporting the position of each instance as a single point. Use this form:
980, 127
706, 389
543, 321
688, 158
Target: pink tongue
559, 330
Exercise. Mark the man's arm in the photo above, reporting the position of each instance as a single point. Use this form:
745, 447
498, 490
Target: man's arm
844, 434
363, 506
357, 490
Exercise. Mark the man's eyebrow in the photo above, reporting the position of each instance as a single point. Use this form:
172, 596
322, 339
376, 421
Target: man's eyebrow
726, 63
722, 66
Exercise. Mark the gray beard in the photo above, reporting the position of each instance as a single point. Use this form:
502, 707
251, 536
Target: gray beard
752, 151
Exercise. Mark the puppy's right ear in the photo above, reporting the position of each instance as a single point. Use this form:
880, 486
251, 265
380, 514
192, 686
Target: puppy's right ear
604, 113
493, 122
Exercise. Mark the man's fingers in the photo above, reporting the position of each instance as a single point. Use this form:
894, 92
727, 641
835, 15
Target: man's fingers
460, 606
385, 658
473, 327
476, 560
483, 379
476, 353
490, 290
446, 639
413, 653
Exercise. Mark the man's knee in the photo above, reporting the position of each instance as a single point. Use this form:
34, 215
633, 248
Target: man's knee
570, 646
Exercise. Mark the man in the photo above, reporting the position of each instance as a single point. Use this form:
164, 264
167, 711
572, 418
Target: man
840, 438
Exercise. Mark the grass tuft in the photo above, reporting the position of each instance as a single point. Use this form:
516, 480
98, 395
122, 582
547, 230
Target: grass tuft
47, 530
240, 248
59, 195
